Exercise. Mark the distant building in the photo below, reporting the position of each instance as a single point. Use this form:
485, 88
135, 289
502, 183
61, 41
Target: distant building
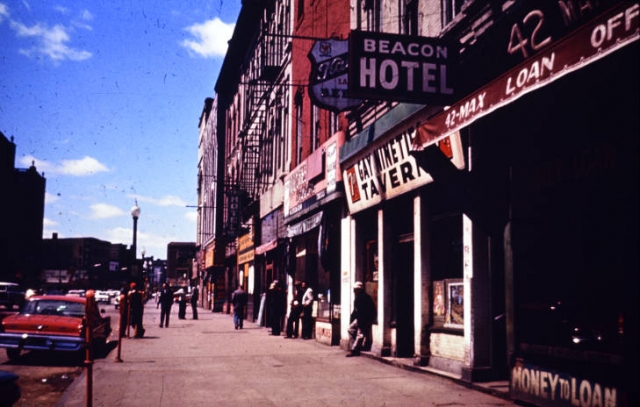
21, 217
180, 261
82, 262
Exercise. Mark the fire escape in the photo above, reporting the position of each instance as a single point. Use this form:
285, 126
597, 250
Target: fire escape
254, 131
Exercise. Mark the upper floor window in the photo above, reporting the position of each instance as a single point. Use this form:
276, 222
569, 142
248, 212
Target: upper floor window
450, 9
410, 17
299, 130
368, 14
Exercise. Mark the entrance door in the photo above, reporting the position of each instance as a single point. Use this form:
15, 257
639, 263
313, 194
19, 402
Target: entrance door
403, 272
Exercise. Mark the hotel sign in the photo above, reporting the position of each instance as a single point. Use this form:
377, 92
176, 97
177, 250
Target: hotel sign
406, 68
329, 77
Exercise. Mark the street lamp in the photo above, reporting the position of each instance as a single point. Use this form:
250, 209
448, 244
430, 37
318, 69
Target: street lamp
135, 213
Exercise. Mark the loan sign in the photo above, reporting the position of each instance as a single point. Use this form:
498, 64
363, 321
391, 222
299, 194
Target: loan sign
405, 68
591, 42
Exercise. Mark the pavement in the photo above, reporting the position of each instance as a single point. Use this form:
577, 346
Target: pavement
207, 362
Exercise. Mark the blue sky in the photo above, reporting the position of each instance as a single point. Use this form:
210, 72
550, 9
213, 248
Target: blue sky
105, 96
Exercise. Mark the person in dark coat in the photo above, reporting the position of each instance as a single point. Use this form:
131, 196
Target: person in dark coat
239, 300
194, 302
293, 321
136, 309
362, 317
277, 307
165, 301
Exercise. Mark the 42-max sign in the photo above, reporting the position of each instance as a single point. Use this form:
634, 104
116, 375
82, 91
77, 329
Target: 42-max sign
406, 68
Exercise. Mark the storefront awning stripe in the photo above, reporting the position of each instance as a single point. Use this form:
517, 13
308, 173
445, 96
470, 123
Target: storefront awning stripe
305, 225
262, 249
585, 45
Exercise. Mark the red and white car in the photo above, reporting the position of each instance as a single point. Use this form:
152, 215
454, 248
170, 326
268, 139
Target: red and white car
52, 323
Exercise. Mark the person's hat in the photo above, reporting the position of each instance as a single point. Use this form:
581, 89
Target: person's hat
132, 285
358, 285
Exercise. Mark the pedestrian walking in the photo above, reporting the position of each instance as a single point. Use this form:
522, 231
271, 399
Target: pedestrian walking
165, 301
239, 300
136, 310
362, 317
277, 307
307, 310
194, 302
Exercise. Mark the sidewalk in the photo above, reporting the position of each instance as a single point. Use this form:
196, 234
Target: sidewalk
207, 362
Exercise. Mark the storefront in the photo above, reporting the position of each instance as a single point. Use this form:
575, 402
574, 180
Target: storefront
214, 287
245, 275
389, 242
270, 259
554, 142
313, 209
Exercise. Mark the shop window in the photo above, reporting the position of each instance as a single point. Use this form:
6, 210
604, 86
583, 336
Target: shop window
446, 271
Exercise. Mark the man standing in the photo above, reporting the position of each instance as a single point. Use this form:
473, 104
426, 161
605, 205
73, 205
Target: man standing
307, 309
194, 301
362, 317
165, 300
277, 307
294, 313
239, 301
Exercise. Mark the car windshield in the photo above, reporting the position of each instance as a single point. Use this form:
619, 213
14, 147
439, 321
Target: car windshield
54, 307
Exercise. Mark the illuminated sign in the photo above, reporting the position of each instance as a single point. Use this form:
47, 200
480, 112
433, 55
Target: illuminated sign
329, 77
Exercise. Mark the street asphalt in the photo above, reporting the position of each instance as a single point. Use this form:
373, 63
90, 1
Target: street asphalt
206, 362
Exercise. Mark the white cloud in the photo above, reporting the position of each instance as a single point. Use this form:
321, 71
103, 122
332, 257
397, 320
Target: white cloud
51, 42
191, 216
79, 167
105, 211
84, 166
86, 15
50, 198
154, 244
210, 38
4, 12
47, 223
167, 200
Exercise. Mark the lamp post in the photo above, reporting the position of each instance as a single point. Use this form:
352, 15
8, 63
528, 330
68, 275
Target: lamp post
135, 213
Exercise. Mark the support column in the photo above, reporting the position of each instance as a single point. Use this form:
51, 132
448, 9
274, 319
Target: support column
422, 281
382, 332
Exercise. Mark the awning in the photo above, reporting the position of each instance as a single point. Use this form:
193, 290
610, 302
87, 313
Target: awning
262, 249
595, 40
305, 225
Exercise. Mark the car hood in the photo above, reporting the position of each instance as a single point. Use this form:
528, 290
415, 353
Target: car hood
42, 324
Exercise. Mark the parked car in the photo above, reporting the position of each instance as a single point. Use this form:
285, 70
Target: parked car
102, 296
11, 294
76, 293
52, 323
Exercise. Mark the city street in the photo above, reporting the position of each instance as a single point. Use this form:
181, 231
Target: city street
207, 362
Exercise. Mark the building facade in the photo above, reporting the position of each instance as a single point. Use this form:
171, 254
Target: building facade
483, 184
21, 217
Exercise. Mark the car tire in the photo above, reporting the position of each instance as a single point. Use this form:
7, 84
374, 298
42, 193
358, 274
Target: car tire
13, 353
